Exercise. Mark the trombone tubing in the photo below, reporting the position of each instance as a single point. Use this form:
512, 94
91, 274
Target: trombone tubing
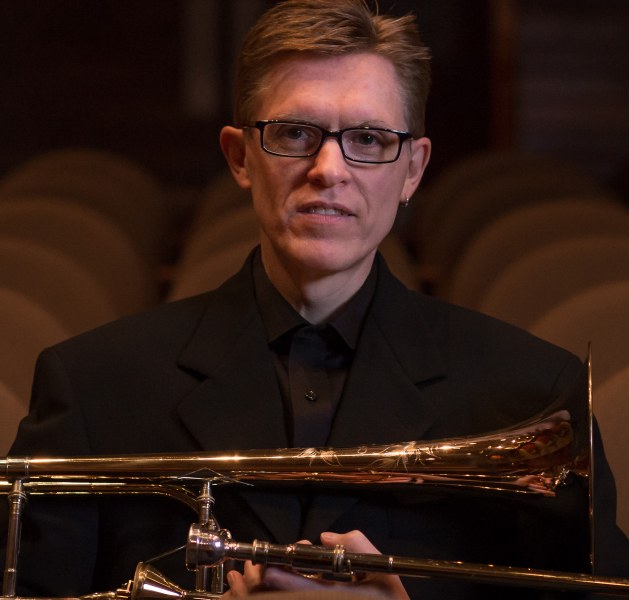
541, 448
338, 561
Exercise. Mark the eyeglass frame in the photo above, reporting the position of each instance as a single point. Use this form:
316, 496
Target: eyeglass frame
403, 136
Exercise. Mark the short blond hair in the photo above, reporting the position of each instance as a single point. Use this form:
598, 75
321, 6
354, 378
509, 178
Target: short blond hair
333, 28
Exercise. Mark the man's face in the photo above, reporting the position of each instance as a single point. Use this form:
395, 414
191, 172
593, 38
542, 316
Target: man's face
324, 214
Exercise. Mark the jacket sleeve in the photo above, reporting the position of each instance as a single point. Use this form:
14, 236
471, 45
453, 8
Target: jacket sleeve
59, 533
611, 546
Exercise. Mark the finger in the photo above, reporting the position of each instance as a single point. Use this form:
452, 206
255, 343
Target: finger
387, 586
284, 579
353, 541
248, 582
253, 576
237, 585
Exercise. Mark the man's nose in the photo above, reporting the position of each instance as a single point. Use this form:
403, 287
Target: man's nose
330, 166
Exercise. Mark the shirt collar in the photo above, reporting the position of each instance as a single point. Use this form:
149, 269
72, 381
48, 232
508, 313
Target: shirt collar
279, 317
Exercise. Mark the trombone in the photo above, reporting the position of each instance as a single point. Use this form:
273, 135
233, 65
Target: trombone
532, 458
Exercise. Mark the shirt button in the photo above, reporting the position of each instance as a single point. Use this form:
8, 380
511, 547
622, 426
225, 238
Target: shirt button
311, 396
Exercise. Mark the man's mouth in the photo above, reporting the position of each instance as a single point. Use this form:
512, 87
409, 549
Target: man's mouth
320, 210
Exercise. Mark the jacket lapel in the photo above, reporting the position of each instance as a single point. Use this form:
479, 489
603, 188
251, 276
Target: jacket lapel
237, 388
397, 355
383, 401
237, 403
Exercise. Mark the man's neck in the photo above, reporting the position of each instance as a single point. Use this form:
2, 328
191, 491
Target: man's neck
317, 296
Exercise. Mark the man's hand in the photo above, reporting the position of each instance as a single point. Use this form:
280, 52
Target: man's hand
257, 578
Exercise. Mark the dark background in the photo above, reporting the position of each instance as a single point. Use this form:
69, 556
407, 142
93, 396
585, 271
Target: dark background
151, 79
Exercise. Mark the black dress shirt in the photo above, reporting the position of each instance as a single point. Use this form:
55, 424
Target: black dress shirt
311, 361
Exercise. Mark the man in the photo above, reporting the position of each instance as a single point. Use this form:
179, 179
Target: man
312, 343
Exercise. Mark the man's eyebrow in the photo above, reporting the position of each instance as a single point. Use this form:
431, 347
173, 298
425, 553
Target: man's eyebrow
304, 120
373, 123
291, 118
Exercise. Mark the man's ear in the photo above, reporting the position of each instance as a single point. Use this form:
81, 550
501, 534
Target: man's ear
420, 155
233, 145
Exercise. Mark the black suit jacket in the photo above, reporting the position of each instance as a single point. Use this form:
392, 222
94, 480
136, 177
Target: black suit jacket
197, 375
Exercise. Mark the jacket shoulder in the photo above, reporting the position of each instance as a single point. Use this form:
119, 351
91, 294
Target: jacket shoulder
457, 329
165, 327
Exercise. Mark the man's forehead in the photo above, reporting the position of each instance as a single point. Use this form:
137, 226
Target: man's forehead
303, 87
296, 64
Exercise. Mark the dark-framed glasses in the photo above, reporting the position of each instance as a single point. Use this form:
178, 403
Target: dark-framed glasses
359, 144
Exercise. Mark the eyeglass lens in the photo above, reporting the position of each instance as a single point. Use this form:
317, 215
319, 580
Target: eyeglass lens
366, 145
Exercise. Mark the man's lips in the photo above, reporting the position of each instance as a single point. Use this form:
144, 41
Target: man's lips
325, 210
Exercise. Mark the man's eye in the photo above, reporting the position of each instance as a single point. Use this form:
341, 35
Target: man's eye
367, 139
291, 132
294, 133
